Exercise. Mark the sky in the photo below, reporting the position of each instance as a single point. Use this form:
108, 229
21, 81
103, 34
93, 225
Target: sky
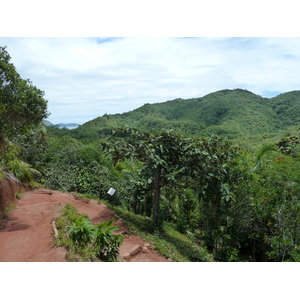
84, 78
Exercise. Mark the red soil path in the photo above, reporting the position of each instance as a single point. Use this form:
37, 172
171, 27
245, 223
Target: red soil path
28, 234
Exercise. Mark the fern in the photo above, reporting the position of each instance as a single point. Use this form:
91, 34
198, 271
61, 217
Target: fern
22, 170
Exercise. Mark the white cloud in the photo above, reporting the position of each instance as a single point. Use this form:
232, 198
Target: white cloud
84, 78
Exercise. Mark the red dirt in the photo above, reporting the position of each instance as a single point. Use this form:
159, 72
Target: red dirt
9, 186
28, 233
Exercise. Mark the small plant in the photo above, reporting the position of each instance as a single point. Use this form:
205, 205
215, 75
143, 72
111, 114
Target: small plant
82, 232
18, 195
8, 209
85, 241
106, 244
181, 224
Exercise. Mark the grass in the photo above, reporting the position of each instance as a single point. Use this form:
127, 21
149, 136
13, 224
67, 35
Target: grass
19, 195
2, 174
5, 214
8, 209
167, 240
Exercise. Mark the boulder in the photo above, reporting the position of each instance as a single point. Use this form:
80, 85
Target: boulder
137, 249
126, 256
145, 250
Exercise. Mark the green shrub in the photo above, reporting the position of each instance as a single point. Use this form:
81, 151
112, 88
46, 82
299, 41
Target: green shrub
82, 232
106, 244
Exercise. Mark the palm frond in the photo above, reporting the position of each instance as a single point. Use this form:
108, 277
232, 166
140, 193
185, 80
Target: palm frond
262, 153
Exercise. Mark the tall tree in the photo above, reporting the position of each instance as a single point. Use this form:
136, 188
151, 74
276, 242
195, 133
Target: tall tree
160, 152
210, 165
22, 105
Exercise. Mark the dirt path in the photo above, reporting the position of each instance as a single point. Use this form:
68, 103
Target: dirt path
28, 233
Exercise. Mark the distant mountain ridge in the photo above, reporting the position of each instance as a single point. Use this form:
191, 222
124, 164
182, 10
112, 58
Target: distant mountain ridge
232, 113
67, 125
62, 125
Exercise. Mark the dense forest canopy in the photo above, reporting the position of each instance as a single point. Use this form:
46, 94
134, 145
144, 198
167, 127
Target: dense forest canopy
234, 114
222, 170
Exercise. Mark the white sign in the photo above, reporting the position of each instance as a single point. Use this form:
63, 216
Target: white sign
111, 191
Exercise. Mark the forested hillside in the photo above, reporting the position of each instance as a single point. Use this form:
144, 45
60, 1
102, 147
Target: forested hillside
210, 178
287, 108
231, 113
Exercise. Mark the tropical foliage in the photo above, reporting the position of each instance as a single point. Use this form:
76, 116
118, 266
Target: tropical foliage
221, 170
85, 241
22, 105
22, 109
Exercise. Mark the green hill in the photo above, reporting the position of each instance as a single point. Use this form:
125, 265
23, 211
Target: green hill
233, 113
287, 108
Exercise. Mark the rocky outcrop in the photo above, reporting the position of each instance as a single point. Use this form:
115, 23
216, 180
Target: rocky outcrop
9, 186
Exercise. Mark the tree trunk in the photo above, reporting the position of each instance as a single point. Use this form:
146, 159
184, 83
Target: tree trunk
3, 143
156, 199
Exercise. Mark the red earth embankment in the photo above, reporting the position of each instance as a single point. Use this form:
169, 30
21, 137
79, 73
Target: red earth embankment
9, 186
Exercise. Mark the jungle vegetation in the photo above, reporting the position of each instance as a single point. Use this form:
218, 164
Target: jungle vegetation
222, 169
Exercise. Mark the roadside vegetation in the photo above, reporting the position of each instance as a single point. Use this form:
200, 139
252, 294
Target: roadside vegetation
212, 178
167, 240
84, 241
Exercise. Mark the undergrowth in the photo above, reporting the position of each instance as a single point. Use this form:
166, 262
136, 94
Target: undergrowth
5, 214
84, 241
167, 240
